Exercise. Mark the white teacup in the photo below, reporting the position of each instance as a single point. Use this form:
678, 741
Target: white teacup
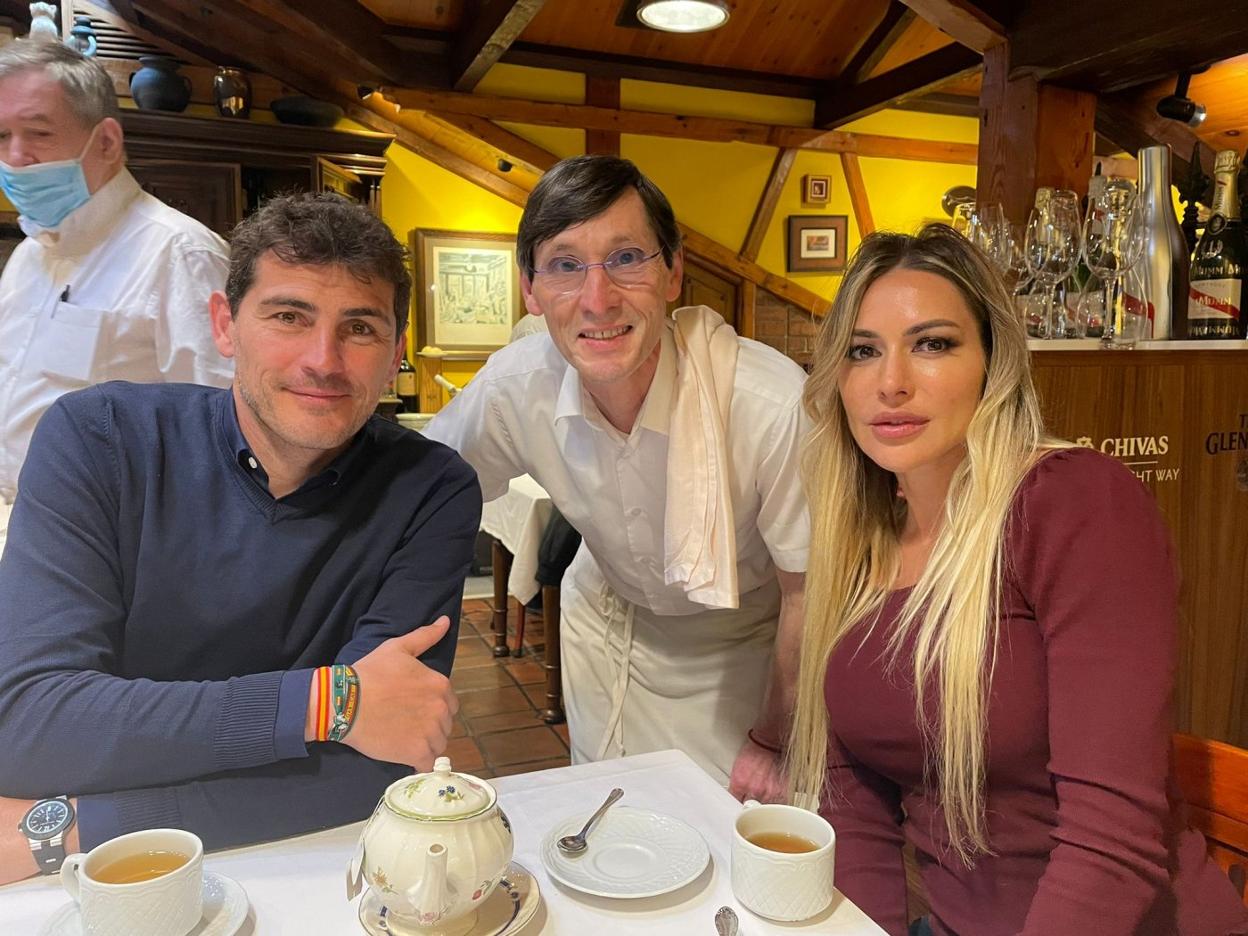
168, 905
787, 886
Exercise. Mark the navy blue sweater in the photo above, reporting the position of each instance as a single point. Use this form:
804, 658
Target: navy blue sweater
161, 612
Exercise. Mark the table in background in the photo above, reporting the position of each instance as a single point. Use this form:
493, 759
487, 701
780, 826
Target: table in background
5, 510
297, 886
516, 522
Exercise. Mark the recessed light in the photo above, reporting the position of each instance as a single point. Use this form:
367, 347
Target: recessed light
683, 16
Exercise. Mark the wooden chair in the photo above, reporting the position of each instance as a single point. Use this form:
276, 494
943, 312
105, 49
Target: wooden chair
1214, 780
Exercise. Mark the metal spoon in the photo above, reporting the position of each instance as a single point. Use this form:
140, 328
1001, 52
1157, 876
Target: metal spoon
726, 921
575, 844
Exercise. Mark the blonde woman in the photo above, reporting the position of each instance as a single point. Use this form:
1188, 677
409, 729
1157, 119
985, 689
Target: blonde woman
991, 626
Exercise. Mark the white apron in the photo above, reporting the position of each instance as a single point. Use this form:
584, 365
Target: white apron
635, 681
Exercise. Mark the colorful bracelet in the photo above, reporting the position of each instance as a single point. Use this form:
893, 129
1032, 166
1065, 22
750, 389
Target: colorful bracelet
766, 746
337, 701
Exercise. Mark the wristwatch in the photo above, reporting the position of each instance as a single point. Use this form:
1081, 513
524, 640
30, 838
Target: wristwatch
45, 826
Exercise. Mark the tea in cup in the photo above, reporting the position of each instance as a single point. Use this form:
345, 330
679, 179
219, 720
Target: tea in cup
148, 883
783, 859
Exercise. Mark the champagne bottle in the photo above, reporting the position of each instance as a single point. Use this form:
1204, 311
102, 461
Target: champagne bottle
1215, 303
1165, 260
405, 386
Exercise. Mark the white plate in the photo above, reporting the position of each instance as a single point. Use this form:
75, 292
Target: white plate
631, 853
509, 906
225, 909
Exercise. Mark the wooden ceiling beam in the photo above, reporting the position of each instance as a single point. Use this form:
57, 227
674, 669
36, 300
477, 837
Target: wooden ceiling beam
964, 21
493, 25
843, 103
648, 123
353, 33
767, 202
518, 150
614, 65
897, 19
602, 92
1108, 46
858, 199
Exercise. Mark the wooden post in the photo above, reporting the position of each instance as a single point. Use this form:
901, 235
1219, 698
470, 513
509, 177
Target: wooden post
858, 194
602, 92
1030, 134
552, 714
498, 620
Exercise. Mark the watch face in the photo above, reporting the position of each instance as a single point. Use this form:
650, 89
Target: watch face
47, 818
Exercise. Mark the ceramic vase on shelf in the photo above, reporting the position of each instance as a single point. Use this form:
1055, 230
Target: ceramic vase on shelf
82, 36
232, 92
159, 86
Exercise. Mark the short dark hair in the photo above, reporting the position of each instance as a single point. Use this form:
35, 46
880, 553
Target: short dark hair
319, 230
580, 188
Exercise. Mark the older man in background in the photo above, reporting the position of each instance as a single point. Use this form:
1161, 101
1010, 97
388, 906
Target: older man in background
110, 283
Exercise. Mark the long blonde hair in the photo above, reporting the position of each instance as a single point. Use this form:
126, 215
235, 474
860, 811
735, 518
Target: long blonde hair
856, 517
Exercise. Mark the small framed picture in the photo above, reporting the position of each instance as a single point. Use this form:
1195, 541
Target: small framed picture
816, 189
467, 289
817, 243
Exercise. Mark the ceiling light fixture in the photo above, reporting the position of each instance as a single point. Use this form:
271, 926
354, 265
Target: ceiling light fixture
683, 16
1179, 106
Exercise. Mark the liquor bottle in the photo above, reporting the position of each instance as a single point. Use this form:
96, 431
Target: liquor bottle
1215, 304
405, 386
1165, 260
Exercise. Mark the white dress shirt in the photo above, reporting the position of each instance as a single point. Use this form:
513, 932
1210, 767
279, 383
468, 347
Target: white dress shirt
118, 291
526, 412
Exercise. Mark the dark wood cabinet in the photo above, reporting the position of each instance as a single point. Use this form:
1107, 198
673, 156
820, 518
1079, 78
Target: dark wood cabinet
218, 171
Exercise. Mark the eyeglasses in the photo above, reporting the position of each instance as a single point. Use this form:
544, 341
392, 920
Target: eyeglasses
625, 267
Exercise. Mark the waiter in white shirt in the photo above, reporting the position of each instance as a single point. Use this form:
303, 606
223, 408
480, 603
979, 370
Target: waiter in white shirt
110, 283
672, 445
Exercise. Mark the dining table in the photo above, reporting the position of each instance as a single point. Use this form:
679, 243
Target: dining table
296, 886
516, 523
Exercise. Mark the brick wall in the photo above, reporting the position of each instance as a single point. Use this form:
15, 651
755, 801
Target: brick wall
785, 327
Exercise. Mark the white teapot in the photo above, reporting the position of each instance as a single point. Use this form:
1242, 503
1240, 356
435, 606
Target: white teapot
435, 847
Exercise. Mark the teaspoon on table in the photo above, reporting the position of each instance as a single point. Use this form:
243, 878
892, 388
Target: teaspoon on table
726, 921
575, 844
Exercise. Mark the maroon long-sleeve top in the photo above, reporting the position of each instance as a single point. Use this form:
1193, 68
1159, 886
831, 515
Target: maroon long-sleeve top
1085, 825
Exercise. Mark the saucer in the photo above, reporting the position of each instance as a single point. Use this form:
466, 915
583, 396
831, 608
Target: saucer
225, 909
631, 853
510, 905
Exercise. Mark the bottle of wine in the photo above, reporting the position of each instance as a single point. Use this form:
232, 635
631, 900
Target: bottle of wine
1215, 303
1165, 260
405, 386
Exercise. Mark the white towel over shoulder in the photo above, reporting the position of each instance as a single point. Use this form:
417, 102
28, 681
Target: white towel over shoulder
699, 539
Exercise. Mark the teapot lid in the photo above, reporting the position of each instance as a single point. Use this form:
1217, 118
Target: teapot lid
439, 796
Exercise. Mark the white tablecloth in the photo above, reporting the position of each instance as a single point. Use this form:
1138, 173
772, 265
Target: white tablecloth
297, 886
518, 519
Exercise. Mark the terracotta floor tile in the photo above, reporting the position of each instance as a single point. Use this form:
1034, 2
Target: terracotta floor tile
526, 670
526, 744
492, 701
481, 677
464, 754
505, 721
472, 651
511, 769
459, 728
562, 731
536, 694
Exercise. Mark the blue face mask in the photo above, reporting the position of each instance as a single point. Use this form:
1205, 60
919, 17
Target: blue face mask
47, 192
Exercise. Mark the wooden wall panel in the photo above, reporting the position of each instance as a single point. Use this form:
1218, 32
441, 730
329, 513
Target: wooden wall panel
1179, 419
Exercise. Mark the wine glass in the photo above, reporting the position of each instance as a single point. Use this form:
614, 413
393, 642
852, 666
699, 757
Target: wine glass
1051, 248
1113, 239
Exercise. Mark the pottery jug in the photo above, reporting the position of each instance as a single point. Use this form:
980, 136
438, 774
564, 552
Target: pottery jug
435, 848
159, 86
232, 92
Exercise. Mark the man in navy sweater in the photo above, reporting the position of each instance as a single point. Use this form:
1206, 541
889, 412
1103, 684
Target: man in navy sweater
184, 562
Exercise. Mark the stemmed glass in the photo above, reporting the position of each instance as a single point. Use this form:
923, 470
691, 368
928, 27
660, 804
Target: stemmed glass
1113, 239
1051, 248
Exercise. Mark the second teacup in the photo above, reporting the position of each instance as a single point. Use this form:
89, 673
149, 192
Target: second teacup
148, 883
783, 859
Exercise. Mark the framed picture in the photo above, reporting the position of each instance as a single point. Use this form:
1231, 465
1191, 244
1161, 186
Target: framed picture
467, 289
817, 243
816, 189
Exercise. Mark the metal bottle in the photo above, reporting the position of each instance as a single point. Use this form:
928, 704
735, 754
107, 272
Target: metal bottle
1165, 259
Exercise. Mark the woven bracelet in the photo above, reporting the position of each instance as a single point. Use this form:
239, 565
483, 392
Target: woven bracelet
346, 701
